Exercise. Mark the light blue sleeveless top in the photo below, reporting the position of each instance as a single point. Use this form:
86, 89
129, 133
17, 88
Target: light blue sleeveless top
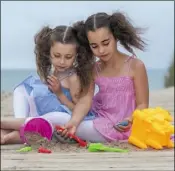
45, 100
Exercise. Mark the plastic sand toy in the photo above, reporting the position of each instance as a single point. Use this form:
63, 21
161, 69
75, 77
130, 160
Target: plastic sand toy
92, 147
25, 149
38, 126
98, 147
75, 138
44, 150
152, 128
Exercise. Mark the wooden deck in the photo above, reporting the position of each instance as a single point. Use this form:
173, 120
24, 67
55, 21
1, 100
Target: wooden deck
154, 160
137, 160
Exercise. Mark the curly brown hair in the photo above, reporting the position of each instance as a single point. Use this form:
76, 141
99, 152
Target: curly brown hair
119, 25
45, 38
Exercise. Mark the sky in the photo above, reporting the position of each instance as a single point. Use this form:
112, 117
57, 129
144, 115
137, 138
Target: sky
21, 20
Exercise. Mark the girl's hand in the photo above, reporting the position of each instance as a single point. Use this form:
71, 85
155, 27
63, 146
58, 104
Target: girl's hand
54, 84
70, 127
124, 125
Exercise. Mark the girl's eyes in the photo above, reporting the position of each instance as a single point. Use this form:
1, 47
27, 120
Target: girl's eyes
104, 44
68, 57
94, 47
57, 56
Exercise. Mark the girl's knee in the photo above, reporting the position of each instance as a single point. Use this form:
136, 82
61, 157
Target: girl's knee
87, 132
57, 118
3, 134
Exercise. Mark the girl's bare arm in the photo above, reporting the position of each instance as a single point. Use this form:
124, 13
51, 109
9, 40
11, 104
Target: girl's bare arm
141, 85
83, 106
74, 83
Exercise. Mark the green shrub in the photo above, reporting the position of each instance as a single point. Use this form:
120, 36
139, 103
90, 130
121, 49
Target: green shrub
169, 78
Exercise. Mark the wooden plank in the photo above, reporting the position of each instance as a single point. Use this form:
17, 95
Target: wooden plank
93, 154
90, 161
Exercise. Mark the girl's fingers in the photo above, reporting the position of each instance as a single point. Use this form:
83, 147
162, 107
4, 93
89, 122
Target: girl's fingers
66, 135
50, 82
124, 128
51, 78
54, 78
119, 129
64, 132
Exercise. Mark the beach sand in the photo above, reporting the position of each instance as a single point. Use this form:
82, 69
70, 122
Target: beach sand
163, 98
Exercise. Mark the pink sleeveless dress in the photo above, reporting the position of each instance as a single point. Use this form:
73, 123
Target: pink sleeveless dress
114, 102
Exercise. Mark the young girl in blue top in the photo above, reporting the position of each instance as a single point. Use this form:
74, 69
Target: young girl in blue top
59, 60
65, 71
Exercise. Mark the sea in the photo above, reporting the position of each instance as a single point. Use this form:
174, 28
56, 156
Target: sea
12, 77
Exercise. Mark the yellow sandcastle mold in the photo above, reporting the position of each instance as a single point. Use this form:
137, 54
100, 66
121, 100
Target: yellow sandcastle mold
152, 128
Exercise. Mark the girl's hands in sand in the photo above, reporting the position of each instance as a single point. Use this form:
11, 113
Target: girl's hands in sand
69, 128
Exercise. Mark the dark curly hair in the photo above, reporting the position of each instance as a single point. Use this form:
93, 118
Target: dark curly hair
45, 38
119, 25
